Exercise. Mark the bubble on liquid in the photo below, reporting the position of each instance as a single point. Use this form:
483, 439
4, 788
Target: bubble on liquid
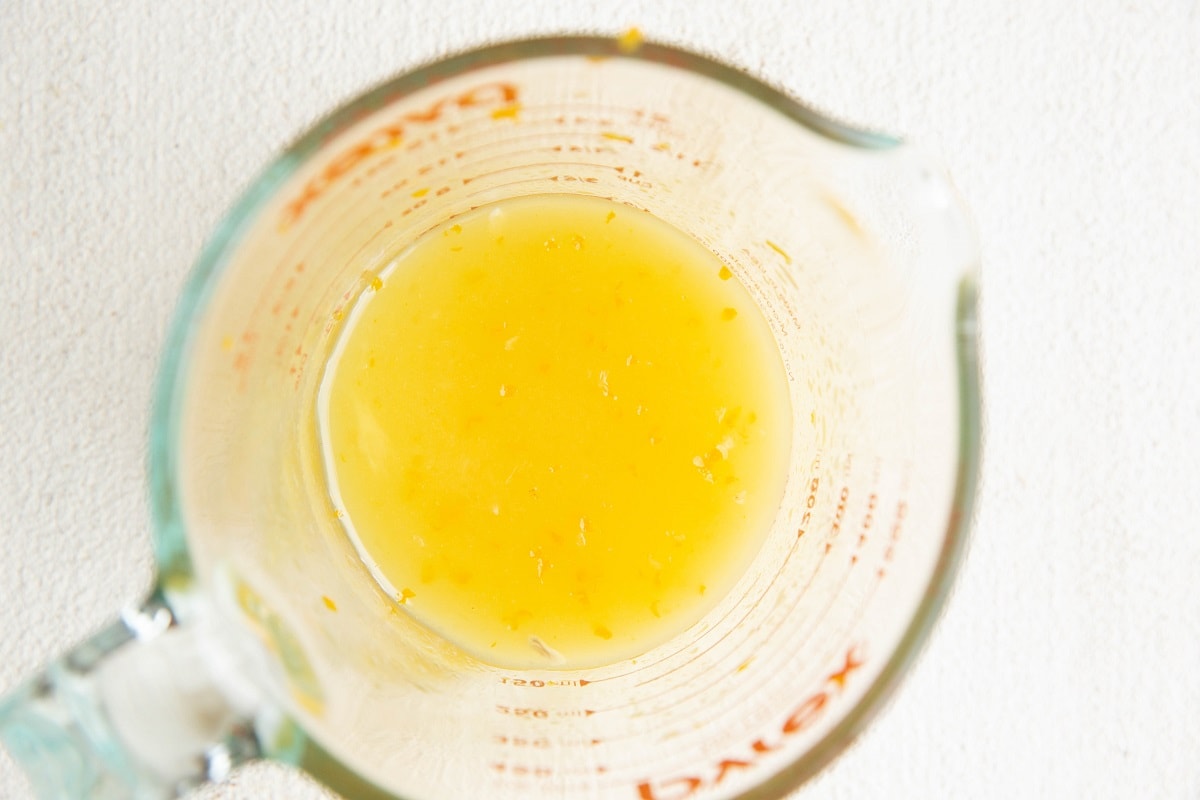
724, 446
496, 223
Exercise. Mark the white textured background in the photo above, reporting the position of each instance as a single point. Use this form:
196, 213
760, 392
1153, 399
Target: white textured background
1068, 662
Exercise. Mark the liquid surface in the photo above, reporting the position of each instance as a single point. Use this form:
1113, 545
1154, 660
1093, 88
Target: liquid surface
559, 430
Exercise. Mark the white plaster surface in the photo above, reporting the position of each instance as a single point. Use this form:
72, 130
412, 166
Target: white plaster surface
1068, 662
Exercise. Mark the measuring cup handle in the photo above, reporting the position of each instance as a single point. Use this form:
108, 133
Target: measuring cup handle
147, 708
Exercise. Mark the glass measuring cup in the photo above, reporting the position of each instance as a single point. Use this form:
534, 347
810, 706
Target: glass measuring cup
267, 637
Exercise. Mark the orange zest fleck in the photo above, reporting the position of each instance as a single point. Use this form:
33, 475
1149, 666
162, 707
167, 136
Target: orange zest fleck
507, 112
630, 40
786, 258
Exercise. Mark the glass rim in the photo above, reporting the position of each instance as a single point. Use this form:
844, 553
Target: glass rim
172, 558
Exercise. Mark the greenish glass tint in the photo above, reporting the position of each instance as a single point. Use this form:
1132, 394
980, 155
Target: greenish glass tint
174, 695
169, 537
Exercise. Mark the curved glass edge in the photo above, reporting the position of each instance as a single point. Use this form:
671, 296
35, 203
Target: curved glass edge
173, 559
791, 777
170, 543
434, 72
312, 757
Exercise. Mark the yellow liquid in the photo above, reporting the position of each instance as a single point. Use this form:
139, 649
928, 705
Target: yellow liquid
559, 429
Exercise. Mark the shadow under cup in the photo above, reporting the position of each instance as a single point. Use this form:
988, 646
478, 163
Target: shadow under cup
860, 257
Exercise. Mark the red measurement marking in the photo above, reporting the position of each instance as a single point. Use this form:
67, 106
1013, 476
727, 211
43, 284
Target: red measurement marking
869, 519
573, 178
801, 718
523, 770
576, 712
388, 137
901, 513
850, 664
840, 513
535, 683
760, 746
811, 501
520, 741
528, 713
299, 369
